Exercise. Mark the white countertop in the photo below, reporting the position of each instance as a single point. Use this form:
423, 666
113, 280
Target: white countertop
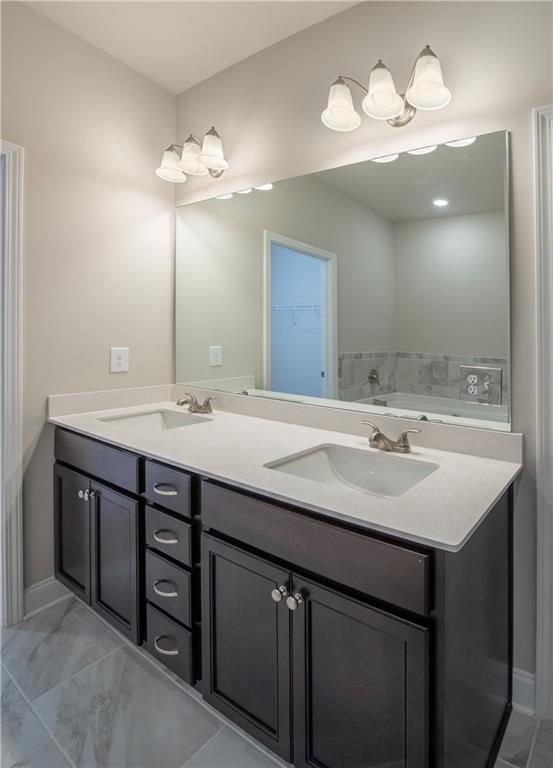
442, 511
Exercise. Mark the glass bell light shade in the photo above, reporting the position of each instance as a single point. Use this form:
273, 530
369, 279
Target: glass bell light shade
211, 154
382, 102
427, 89
169, 169
189, 162
340, 114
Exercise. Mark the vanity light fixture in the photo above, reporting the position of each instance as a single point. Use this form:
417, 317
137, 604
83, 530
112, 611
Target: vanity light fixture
425, 91
385, 158
422, 150
440, 202
194, 158
461, 142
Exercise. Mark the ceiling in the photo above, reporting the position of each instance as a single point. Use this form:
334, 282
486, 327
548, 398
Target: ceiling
470, 178
179, 44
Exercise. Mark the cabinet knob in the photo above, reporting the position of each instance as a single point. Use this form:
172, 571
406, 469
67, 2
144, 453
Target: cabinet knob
294, 600
85, 495
81, 494
278, 594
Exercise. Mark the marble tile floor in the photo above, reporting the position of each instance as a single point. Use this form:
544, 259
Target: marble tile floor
76, 694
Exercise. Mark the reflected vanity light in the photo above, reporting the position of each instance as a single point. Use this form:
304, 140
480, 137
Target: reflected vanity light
425, 91
385, 159
245, 191
461, 142
261, 188
440, 202
422, 150
265, 187
194, 158
225, 197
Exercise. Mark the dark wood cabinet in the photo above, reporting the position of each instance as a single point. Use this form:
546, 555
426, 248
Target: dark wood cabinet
360, 684
246, 642
115, 583
72, 530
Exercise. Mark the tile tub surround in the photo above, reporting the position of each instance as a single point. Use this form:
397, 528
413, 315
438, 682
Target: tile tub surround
122, 709
51, 731
409, 372
466, 485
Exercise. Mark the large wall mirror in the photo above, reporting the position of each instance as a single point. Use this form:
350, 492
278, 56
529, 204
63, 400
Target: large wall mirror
381, 286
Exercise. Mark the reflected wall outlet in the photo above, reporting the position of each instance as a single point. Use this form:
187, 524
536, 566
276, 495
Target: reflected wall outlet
478, 384
215, 356
119, 359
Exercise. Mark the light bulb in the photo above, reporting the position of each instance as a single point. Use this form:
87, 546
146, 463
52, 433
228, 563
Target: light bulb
461, 142
427, 90
385, 159
422, 150
382, 102
440, 202
340, 114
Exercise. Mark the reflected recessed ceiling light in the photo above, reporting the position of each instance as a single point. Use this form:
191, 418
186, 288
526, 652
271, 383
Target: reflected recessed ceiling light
385, 159
440, 202
461, 142
422, 150
225, 197
265, 187
245, 191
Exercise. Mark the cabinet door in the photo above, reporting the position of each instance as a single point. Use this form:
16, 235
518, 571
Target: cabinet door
114, 564
72, 530
360, 684
246, 642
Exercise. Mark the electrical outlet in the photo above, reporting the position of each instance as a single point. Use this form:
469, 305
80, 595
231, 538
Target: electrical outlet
215, 357
119, 359
478, 384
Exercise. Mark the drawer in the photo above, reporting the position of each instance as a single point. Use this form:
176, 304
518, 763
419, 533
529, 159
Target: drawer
169, 587
106, 462
169, 535
168, 487
170, 643
386, 571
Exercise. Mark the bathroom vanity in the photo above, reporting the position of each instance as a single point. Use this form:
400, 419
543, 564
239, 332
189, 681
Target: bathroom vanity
319, 619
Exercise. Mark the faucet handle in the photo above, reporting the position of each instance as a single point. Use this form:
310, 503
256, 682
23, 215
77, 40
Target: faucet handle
206, 405
370, 424
403, 445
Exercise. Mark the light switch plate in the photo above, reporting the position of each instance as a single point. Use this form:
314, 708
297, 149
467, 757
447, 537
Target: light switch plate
215, 356
119, 359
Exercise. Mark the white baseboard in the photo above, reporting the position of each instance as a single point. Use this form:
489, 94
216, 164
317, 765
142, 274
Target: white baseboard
44, 593
524, 691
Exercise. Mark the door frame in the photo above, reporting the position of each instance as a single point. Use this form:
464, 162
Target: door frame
330, 320
543, 172
11, 391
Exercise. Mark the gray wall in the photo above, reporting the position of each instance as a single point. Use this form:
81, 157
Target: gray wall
98, 233
267, 110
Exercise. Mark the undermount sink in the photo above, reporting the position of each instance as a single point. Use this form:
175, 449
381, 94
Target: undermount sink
380, 474
154, 421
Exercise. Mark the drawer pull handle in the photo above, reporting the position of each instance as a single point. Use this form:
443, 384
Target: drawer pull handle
163, 593
294, 601
161, 540
278, 594
159, 649
162, 489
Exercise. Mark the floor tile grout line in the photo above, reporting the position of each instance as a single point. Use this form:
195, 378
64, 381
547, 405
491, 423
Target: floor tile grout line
202, 747
533, 745
68, 679
41, 721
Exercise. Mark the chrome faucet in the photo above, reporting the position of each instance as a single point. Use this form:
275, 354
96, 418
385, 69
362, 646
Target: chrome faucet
193, 404
377, 439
